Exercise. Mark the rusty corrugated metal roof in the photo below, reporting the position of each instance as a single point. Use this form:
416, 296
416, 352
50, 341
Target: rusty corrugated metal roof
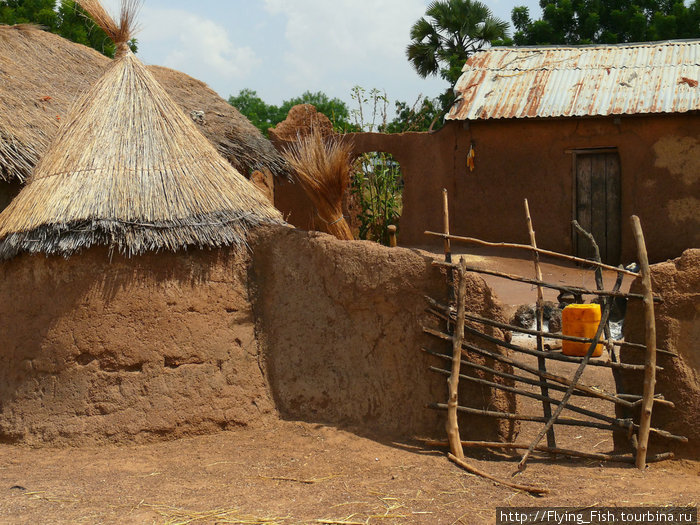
549, 81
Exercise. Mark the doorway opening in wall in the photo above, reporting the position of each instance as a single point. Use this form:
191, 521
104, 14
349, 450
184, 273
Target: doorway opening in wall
375, 195
597, 202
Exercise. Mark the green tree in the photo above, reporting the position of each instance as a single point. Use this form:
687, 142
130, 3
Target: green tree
262, 115
41, 12
68, 20
423, 115
606, 21
265, 116
448, 34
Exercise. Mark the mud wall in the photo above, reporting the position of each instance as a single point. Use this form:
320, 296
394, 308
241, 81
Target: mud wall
341, 328
154, 347
677, 330
98, 348
515, 159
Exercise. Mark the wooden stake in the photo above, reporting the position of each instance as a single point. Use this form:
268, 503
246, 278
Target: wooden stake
446, 225
557, 255
563, 403
392, 235
600, 285
620, 423
541, 362
650, 339
513, 328
620, 458
548, 355
616, 422
581, 390
524, 417
470, 468
453, 382
575, 290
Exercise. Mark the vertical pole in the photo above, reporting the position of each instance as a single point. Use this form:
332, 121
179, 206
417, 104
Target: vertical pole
453, 381
392, 235
650, 340
446, 226
541, 361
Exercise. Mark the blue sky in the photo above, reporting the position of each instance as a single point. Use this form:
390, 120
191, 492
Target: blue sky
281, 48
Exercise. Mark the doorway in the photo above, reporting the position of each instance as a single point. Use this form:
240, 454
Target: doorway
597, 206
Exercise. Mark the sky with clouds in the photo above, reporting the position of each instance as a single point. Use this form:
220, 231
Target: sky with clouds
281, 48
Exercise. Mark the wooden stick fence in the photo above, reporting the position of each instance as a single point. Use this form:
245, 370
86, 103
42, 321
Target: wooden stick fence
462, 322
556, 255
620, 458
574, 290
650, 339
539, 315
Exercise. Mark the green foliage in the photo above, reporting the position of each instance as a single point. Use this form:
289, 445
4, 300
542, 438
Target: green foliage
443, 40
606, 21
69, 20
423, 115
376, 180
260, 114
265, 116
376, 188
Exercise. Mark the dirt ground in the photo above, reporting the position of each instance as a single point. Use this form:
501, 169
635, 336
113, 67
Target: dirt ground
298, 473
290, 472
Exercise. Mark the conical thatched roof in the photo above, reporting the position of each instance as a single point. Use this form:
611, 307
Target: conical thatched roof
41, 75
130, 170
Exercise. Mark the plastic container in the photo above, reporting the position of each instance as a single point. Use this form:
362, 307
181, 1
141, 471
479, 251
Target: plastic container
581, 320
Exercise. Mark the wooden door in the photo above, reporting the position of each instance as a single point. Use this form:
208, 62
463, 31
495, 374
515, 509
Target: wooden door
597, 207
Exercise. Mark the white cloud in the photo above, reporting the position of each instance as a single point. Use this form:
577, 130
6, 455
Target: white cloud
344, 37
188, 42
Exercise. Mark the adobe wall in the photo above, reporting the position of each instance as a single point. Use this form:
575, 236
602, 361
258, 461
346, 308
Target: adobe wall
515, 159
154, 347
677, 330
99, 349
341, 330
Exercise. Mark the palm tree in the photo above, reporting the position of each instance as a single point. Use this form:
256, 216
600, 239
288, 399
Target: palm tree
452, 30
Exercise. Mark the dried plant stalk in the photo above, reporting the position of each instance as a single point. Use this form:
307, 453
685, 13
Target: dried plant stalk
322, 166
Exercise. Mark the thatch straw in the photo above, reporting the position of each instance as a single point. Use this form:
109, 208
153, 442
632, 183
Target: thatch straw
322, 168
128, 169
42, 75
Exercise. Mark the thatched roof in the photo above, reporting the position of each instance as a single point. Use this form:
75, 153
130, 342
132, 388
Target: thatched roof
41, 75
130, 170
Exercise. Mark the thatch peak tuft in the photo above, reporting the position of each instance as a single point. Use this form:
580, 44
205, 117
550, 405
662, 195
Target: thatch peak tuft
120, 33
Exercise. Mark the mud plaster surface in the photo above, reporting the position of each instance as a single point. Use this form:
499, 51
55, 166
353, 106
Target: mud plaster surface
677, 330
341, 325
169, 345
128, 350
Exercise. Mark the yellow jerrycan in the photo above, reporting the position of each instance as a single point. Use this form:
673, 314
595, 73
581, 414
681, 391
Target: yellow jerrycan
581, 320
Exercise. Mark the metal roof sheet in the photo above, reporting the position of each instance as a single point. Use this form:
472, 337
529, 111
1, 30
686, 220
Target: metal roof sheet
549, 81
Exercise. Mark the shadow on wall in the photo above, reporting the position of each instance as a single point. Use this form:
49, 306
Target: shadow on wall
340, 329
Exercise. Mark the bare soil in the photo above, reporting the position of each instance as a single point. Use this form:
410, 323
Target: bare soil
300, 473
291, 472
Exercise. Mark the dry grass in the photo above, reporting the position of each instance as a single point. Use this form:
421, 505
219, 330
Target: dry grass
177, 516
43, 74
120, 33
322, 166
128, 169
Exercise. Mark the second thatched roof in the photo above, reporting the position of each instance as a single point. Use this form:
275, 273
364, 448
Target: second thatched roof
42, 75
128, 169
